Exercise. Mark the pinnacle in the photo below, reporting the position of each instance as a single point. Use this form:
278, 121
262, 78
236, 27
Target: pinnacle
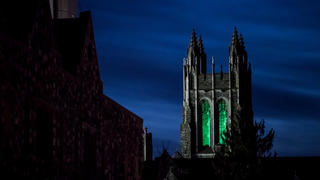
241, 42
193, 39
200, 44
200, 39
235, 31
235, 36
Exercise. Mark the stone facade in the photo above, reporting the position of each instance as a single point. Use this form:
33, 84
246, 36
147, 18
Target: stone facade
55, 121
222, 92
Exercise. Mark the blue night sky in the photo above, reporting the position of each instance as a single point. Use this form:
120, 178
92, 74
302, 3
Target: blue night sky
141, 45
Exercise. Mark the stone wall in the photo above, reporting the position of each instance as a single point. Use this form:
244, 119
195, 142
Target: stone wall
55, 121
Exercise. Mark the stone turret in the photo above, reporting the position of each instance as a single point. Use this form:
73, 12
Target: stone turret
202, 57
192, 52
63, 9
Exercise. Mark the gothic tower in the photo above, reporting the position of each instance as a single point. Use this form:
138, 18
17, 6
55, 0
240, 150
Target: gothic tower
64, 9
210, 100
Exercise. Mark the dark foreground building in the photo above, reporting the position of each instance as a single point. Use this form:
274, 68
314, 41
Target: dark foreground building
55, 121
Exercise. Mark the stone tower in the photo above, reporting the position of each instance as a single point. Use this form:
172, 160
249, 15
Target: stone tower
210, 100
64, 9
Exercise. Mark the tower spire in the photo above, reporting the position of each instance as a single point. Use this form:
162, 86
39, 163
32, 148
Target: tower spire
193, 39
200, 44
234, 49
193, 50
241, 42
203, 57
235, 39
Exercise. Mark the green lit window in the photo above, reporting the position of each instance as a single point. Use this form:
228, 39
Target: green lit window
222, 120
205, 123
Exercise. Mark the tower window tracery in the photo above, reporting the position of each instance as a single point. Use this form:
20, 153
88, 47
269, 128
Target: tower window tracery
222, 120
205, 123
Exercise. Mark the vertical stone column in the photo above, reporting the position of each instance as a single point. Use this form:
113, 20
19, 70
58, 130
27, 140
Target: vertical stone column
213, 103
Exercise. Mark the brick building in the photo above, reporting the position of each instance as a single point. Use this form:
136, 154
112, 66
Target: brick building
55, 121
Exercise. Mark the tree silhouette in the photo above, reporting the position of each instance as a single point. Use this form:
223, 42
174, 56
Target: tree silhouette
245, 144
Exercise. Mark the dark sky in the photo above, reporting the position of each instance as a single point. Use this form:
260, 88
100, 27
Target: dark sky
141, 45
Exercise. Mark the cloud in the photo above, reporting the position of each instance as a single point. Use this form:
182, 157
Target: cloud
293, 138
282, 103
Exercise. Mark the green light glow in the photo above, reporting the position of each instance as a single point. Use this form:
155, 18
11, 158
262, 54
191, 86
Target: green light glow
205, 124
222, 120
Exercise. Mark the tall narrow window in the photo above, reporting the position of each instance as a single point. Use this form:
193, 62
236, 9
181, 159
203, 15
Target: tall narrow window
205, 123
222, 120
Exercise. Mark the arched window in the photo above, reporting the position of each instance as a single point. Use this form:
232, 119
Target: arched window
222, 120
205, 123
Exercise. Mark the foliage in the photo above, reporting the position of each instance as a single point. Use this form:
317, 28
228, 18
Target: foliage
246, 143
